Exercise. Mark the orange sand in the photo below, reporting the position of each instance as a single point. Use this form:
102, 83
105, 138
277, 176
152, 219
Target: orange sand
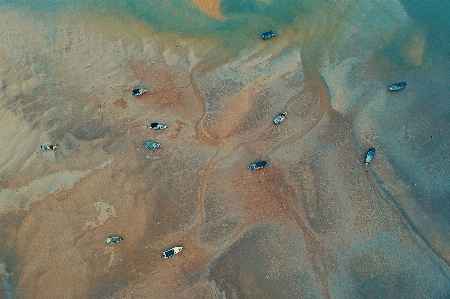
209, 7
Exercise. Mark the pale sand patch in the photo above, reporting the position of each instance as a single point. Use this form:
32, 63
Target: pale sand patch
209, 7
171, 58
17, 88
364, 123
109, 250
36, 190
106, 211
342, 92
192, 59
111, 258
18, 142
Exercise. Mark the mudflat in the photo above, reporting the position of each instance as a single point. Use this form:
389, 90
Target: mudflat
315, 223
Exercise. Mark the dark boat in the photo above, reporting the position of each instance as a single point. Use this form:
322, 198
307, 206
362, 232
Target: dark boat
139, 91
370, 155
257, 165
268, 35
397, 86
171, 252
157, 126
113, 240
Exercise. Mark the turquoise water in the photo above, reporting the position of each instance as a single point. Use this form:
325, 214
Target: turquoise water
344, 27
434, 19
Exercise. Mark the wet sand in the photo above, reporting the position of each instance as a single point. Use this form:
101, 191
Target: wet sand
316, 223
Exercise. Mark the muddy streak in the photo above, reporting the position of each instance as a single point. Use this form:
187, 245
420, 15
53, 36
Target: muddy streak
200, 130
319, 253
201, 194
386, 196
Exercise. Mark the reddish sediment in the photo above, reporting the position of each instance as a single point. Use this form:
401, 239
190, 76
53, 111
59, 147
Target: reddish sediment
295, 229
209, 7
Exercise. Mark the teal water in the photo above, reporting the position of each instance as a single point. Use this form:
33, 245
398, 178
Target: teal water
345, 27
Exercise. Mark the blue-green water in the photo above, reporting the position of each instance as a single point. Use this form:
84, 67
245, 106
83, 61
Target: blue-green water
345, 28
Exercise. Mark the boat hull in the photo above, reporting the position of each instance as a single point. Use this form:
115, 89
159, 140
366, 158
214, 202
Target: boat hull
397, 86
139, 91
257, 165
370, 155
152, 144
114, 240
50, 147
268, 35
280, 118
171, 252
157, 126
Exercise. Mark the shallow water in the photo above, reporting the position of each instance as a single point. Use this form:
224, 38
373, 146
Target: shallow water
316, 219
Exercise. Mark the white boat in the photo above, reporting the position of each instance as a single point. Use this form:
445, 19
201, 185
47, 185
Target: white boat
171, 252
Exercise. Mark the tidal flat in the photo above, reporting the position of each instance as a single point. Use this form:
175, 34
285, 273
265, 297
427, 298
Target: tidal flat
316, 222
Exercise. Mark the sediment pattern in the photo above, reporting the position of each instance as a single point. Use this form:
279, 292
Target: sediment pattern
316, 223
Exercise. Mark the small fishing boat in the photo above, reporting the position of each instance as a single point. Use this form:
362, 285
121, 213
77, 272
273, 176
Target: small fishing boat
152, 144
171, 252
268, 35
114, 240
257, 165
280, 118
50, 147
139, 91
370, 155
157, 126
397, 86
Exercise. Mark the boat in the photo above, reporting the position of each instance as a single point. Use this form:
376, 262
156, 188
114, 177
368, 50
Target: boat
152, 144
268, 35
157, 126
171, 252
370, 155
280, 118
257, 165
50, 147
397, 86
114, 240
139, 91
